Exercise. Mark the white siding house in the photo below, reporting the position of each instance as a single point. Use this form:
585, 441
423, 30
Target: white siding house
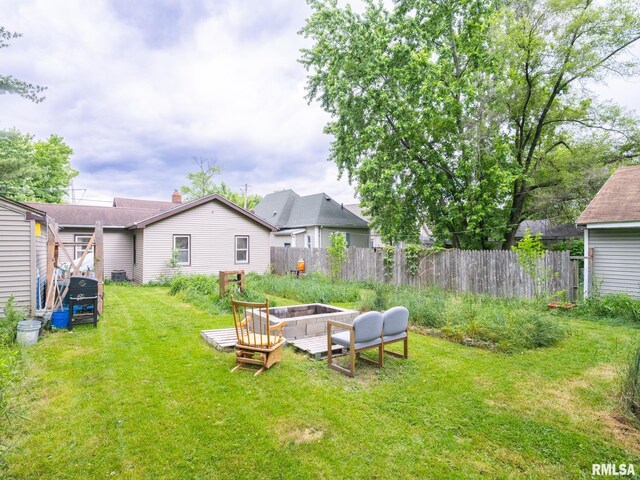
212, 234
140, 235
22, 235
612, 235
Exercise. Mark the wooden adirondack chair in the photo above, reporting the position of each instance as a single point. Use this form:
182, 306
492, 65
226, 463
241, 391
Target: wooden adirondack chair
258, 342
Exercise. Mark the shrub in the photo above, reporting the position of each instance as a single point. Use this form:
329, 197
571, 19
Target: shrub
9, 323
615, 305
630, 395
337, 253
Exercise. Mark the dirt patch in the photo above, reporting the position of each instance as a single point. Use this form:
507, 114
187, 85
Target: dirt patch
626, 434
301, 435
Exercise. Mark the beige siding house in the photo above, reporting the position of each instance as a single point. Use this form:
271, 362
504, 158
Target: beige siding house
612, 235
22, 232
209, 234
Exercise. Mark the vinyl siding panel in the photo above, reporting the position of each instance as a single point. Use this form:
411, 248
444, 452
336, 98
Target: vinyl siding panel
118, 248
616, 260
213, 227
16, 269
359, 236
138, 266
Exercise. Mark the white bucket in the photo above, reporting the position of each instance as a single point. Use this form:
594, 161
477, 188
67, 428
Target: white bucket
28, 331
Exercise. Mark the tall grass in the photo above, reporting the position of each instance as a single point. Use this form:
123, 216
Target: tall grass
313, 288
615, 305
630, 397
502, 324
508, 325
9, 367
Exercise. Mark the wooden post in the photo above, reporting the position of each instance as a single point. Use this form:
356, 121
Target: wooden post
51, 264
98, 262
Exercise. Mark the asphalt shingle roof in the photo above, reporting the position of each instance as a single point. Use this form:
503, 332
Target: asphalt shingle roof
617, 201
121, 202
87, 215
287, 209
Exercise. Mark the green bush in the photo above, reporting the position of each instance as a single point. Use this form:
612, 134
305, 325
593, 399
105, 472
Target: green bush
630, 397
615, 305
203, 291
9, 322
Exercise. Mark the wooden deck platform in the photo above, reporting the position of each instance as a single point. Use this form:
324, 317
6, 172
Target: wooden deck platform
221, 339
224, 339
316, 347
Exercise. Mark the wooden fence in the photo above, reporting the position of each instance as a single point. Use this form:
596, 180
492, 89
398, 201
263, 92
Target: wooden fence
495, 272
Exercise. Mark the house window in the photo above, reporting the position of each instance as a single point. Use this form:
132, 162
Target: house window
182, 247
79, 249
307, 241
347, 237
242, 249
287, 244
134, 249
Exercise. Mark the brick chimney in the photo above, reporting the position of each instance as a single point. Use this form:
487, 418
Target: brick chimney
176, 197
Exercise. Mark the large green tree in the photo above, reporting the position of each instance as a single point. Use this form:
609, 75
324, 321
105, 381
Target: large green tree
34, 170
10, 84
202, 182
462, 113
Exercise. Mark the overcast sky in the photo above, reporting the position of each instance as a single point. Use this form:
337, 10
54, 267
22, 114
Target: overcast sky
139, 87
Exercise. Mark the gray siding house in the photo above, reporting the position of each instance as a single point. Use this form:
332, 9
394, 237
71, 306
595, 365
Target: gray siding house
612, 235
309, 221
23, 240
209, 234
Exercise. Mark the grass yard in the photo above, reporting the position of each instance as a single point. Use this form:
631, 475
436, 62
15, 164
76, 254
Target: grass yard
143, 396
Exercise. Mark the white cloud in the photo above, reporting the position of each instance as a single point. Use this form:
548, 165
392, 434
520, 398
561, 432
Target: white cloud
136, 109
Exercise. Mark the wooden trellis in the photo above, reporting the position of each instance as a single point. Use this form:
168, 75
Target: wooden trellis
57, 251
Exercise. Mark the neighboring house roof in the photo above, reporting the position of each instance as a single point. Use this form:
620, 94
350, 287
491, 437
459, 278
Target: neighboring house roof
276, 207
120, 202
125, 217
87, 215
156, 217
287, 209
548, 230
617, 201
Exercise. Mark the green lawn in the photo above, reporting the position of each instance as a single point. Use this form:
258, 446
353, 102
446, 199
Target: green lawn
143, 396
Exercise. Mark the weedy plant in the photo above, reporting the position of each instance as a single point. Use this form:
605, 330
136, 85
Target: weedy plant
630, 395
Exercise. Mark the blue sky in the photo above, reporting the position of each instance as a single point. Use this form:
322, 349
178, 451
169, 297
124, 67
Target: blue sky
138, 88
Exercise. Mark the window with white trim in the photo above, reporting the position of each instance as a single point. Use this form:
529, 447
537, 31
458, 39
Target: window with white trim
79, 249
182, 247
242, 249
307, 241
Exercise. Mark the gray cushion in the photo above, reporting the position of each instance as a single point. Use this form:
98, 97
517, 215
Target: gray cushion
393, 338
396, 320
367, 327
343, 339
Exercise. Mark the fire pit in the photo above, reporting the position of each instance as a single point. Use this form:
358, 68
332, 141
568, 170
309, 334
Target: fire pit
309, 320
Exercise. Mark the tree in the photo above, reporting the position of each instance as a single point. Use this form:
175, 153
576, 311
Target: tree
11, 85
34, 170
202, 183
462, 113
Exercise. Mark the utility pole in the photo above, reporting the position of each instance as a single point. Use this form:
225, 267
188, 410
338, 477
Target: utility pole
246, 188
73, 194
